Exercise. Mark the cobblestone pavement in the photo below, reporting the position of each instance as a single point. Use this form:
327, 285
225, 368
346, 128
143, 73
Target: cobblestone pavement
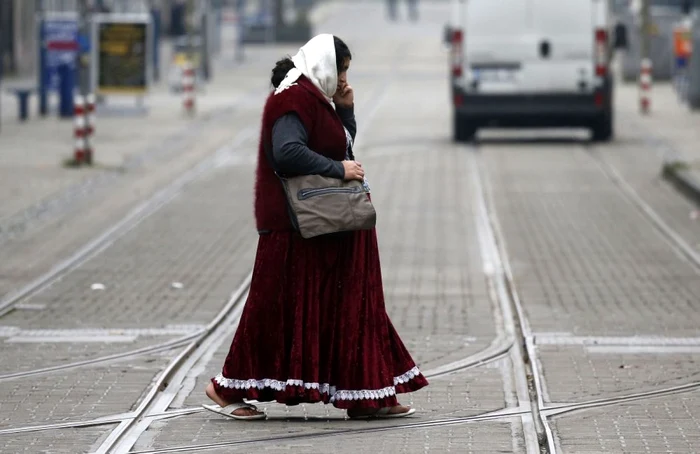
191, 241
643, 146
611, 301
668, 424
65, 346
579, 248
467, 438
577, 374
608, 302
60, 441
83, 394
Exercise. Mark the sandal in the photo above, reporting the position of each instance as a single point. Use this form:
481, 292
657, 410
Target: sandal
229, 409
384, 413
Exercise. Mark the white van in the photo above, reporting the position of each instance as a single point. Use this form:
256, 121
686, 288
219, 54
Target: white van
518, 63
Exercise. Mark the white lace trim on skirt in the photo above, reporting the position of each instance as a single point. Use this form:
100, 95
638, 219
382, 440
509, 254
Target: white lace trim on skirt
323, 388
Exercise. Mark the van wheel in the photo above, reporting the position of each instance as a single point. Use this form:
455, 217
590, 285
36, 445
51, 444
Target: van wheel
463, 130
602, 128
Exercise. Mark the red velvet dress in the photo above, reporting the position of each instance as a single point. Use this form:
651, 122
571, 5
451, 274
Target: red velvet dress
314, 327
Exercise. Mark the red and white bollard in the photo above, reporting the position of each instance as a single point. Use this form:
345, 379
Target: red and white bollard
188, 81
645, 81
83, 128
90, 127
79, 129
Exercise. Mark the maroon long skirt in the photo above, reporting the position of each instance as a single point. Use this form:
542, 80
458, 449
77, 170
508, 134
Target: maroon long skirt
315, 328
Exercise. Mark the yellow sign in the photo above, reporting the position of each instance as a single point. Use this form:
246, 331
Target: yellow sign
122, 57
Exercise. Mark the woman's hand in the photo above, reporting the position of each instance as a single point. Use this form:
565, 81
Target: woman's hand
344, 97
353, 170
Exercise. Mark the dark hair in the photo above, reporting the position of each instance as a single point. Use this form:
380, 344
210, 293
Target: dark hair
280, 70
282, 67
341, 53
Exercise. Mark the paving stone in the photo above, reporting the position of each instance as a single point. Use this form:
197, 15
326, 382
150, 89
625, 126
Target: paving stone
577, 374
468, 439
26, 357
78, 395
585, 260
669, 424
64, 441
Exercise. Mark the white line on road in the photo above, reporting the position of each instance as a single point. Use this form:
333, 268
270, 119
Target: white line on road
660, 341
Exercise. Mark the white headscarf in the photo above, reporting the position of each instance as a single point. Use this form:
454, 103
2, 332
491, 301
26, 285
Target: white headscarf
316, 61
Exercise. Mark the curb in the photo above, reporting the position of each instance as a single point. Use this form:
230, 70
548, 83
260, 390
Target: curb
684, 179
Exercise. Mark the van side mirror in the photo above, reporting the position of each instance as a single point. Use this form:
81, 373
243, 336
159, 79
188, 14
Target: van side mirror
620, 40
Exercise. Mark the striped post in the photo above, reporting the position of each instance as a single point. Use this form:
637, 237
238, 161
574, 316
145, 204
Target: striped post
89, 127
188, 80
79, 129
645, 81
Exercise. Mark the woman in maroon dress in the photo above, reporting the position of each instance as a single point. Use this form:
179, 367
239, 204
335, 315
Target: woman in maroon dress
314, 327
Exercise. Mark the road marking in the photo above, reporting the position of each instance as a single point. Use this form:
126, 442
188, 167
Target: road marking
18, 335
642, 349
74, 339
622, 341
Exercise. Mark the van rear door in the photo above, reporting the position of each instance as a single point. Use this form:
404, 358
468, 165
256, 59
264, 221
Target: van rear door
498, 39
529, 46
566, 42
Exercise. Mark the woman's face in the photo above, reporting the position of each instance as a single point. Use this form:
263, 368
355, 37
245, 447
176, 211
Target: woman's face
343, 75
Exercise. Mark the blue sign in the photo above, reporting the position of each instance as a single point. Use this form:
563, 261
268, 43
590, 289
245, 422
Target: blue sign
59, 46
84, 43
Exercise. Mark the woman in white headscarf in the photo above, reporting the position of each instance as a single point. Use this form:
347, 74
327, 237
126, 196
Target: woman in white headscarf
314, 327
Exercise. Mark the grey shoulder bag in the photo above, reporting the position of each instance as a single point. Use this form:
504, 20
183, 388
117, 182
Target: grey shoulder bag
321, 205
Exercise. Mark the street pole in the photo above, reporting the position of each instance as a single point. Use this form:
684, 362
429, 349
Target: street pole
204, 24
279, 14
645, 76
189, 24
83, 56
155, 12
694, 63
2, 53
240, 32
41, 70
189, 71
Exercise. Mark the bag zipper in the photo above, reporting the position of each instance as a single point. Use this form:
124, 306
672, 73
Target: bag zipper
304, 194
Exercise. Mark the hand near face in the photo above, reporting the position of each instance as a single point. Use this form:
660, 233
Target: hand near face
344, 96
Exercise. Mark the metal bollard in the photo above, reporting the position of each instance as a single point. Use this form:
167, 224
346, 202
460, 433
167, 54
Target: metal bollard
694, 65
